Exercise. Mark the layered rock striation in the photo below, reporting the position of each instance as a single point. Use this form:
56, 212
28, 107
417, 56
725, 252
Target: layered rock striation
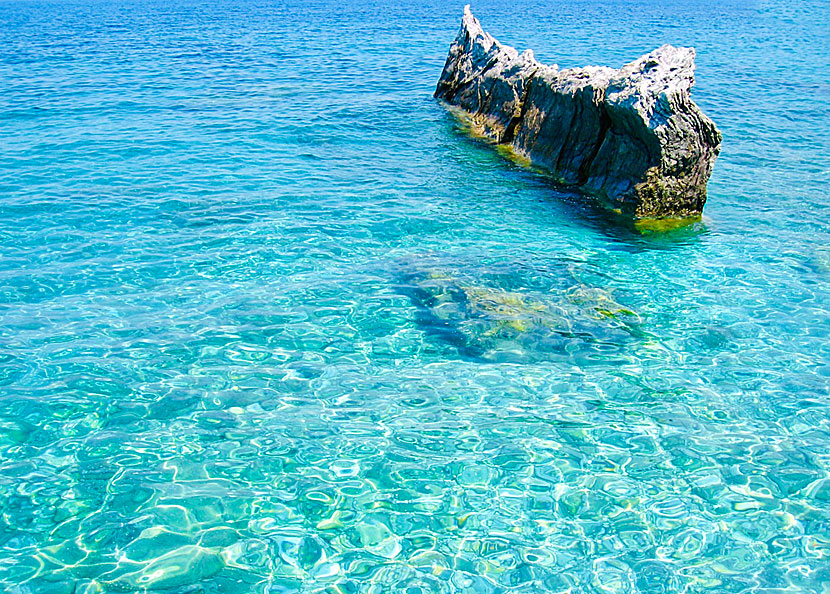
633, 137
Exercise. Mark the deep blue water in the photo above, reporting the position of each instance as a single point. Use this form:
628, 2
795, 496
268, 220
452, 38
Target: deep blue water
271, 321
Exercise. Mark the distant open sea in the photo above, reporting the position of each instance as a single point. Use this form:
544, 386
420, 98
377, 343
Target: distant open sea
272, 321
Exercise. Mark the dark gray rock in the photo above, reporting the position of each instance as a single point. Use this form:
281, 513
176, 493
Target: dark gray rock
633, 137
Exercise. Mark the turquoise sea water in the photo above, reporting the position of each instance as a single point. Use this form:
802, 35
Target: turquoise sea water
270, 321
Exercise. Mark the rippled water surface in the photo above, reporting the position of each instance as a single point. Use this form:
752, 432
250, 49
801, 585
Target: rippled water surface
271, 321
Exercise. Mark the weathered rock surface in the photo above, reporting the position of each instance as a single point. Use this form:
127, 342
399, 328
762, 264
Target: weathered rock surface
633, 137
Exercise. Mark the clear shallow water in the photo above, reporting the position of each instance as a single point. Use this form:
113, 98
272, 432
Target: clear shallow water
271, 322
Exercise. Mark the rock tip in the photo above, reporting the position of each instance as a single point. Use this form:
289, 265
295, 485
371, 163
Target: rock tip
468, 19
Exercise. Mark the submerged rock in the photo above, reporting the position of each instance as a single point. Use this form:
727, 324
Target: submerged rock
633, 137
490, 323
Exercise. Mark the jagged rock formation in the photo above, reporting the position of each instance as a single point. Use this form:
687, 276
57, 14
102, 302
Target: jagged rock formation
633, 137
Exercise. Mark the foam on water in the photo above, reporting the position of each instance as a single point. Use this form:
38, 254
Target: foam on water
270, 321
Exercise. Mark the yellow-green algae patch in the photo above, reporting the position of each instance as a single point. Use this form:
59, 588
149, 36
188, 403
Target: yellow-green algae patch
511, 154
478, 127
650, 226
598, 303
